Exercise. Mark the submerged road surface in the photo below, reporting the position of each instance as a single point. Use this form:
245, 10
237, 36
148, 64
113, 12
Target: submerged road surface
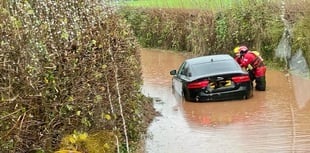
274, 121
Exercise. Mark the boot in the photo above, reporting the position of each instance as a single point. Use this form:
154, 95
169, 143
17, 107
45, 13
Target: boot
260, 83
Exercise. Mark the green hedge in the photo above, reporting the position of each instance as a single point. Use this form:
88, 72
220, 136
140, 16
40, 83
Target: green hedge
68, 66
203, 32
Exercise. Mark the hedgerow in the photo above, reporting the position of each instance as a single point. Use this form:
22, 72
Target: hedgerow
68, 68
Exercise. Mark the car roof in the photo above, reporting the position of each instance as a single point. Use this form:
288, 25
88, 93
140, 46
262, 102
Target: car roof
210, 58
212, 65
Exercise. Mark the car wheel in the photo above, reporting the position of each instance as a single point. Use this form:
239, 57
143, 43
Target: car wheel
186, 96
245, 97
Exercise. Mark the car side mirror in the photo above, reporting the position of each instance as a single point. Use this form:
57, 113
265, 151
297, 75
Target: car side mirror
173, 72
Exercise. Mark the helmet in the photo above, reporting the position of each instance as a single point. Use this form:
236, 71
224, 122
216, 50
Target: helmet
236, 50
243, 49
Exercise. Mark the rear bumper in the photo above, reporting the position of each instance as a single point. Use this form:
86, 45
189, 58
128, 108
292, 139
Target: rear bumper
241, 93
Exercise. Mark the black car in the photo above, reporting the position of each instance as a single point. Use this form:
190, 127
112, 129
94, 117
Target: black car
211, 78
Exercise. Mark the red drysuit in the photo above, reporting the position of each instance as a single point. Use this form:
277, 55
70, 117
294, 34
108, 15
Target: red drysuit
259, 69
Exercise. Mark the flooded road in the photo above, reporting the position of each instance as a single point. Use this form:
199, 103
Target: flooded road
277, 120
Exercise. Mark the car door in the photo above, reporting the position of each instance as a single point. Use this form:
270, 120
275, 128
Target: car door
179, 78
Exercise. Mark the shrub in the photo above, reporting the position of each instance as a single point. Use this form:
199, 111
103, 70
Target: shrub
67, 66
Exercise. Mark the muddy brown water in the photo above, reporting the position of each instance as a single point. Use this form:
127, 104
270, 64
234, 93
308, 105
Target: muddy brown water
274, 121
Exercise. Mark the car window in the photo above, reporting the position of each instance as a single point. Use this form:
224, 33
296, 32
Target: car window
214, 67
181, 70
185, 71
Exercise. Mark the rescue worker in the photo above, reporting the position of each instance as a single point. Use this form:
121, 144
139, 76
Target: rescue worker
238, 57
254, 63
238, 60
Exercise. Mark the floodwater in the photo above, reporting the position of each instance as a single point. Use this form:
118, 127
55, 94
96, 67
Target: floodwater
274, 121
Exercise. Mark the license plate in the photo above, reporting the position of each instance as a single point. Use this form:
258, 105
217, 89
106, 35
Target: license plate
219, 84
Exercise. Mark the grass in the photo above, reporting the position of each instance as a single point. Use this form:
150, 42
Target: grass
191, 4
187, 4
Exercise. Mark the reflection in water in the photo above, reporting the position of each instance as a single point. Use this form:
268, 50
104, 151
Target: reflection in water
277, 120
221, 113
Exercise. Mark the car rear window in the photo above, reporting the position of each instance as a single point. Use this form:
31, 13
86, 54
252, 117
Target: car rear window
214, 67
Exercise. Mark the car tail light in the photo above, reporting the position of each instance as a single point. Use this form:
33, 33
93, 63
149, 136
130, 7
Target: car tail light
242, 78
199, 84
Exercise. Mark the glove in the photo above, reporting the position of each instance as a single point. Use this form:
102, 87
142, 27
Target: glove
249, 67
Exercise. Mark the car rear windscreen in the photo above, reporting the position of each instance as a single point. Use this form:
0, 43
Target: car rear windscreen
215, 67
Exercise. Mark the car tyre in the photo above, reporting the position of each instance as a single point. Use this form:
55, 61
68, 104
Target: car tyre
245, 97
186, 96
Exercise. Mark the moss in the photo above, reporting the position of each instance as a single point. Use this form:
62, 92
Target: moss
99, 142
